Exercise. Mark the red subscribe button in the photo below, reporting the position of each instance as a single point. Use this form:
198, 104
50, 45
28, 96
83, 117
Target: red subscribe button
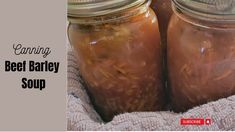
195, 121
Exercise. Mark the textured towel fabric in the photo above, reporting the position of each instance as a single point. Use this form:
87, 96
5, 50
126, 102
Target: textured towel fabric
82, 116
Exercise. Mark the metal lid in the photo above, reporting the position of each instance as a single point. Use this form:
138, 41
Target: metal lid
88, 8
215, 9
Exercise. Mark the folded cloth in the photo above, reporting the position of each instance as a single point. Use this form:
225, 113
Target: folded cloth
82, 116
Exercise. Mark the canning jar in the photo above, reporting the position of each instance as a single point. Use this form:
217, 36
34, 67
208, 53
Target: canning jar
119, 54
201, 52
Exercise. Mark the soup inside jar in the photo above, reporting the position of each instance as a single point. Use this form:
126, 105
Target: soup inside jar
121, 64
201, 62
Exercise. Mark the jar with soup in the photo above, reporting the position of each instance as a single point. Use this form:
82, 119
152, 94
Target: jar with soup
119, 54
201, 52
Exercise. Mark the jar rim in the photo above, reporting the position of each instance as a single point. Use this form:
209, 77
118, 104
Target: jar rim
93, 8
210, 10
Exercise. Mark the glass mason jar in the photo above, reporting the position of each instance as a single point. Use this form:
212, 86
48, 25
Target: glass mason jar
119, 54
201, 52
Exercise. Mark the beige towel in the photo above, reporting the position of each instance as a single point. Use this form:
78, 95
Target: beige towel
82, 116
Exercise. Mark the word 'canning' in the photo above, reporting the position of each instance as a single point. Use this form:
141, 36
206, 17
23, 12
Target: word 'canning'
19, 49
